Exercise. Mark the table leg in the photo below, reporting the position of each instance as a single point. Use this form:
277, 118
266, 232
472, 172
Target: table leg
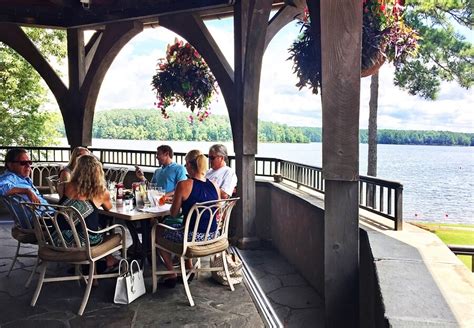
146, 235
137, 248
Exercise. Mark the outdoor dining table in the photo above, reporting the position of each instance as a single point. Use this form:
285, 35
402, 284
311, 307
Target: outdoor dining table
139, 249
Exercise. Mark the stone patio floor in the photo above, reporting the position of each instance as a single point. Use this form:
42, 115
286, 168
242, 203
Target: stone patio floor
295, 302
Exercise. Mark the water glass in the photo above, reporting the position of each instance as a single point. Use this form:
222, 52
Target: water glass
152, 196
111, 189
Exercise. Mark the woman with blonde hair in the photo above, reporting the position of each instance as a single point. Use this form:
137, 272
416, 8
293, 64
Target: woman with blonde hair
195, 189
86, 192
65, 172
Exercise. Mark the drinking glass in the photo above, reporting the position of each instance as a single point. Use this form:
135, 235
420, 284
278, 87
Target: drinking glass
111, 189
152, 196
160, 192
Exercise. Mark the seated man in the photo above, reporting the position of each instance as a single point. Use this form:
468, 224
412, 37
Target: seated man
169, 174
15, 180
219, 173
166, 177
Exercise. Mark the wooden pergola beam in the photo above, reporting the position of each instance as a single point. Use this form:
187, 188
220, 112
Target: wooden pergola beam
341, 28
193, 29
13, 36
283, 16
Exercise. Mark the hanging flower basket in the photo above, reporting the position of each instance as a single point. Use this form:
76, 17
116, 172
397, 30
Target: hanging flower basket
376, 62
185, 77
384, 37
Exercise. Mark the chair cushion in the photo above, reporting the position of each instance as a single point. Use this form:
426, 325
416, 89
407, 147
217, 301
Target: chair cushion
194, 251
24, 236
110, 242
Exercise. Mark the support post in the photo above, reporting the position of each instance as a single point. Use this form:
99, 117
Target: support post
341, 26
250, 29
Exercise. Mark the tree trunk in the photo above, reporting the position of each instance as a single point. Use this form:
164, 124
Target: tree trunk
372, 140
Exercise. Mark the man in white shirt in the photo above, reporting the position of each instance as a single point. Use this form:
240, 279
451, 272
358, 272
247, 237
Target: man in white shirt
220, 173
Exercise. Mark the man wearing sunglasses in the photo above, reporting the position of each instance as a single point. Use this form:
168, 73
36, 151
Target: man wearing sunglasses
16, 178
221, 174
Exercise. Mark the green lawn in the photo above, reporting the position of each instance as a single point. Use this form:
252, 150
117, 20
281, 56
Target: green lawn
454, 234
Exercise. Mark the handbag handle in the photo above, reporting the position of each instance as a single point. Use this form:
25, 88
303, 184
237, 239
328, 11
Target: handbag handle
126, 267
131, 266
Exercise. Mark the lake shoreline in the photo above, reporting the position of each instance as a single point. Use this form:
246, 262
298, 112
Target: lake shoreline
438, 181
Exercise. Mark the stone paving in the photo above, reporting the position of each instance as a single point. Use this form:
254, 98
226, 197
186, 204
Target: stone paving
295, 302
58, 302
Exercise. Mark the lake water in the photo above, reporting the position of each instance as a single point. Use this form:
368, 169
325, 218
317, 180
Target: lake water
438, 180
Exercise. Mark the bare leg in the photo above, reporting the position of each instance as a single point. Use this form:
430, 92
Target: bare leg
168, 263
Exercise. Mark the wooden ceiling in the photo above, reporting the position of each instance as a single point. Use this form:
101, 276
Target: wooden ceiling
90, 13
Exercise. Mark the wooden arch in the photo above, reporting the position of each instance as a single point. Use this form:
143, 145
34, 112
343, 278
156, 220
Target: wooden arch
88, 65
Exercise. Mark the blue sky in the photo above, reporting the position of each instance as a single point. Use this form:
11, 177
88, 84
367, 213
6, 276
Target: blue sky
127, 85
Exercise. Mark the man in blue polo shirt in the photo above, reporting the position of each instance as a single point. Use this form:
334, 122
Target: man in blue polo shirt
16, 181
16, 178
166, 177
169, 174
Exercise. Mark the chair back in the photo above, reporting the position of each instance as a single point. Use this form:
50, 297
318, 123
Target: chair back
116, 174
53, 181
20, 214
41, 171
48, 230
215, 210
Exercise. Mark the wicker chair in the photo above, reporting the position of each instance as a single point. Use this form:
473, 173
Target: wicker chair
116, 174
219, 210
22, 230
54, 248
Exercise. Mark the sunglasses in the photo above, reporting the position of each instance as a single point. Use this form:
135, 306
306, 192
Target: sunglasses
212, 157
24, 163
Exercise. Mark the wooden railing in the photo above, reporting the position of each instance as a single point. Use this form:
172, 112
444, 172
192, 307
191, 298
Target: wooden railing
379, 196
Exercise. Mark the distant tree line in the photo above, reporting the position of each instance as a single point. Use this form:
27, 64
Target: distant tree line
413, 137
145, 124
149, 125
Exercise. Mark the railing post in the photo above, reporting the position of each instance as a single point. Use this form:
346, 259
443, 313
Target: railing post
299, 176
399, 208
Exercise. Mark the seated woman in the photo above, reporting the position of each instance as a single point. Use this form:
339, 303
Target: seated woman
195, 189
65, 172
86, 192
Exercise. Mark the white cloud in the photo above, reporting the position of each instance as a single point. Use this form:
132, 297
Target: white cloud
127, 85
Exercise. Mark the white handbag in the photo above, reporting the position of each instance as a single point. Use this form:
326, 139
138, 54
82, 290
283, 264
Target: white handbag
130, 284
234, 264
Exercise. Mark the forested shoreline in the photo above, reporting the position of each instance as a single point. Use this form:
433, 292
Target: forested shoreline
143, 124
